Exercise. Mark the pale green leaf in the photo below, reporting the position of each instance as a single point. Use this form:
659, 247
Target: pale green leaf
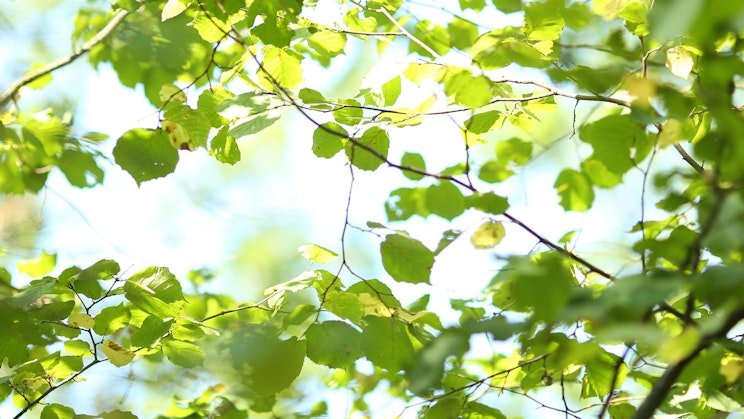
406, 259
145, 154
386, 344
334, 344
118, 355
317, 254
488, 235
40, 266
183, 354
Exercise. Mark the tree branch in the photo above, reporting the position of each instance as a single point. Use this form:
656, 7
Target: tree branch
33, 75
662, 386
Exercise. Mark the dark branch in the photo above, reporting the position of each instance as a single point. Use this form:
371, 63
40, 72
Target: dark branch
33, 75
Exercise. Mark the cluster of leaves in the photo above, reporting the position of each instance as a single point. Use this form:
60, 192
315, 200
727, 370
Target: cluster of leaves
662, 78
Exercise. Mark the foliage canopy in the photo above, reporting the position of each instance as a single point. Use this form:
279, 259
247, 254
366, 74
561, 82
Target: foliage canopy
645, 93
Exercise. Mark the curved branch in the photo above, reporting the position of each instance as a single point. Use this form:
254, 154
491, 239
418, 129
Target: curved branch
14, 87
661, 387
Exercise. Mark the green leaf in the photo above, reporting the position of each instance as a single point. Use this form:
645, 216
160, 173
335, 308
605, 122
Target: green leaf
317, 254
208, 103
298, 283
151, 330
334, 344
404, 203
111, 319
468, 90
514, 149
171, 93
415, 161
600, 373
327, 43
40, 266
545, 287
254, 124
391, 91
428, 368
508, 6
575, 190
158, 282
195, 124
487, 202
174, 8
145, 154
612, 138
328, 139
80, 168
155, 291
433, 36
280, 66
483, 122
224, 148
183, 354
268, 363
370, 150
57, 411
348, 112
406, 259
599, 175
445, 200
116, 354
386, 344
463, 33
488, 235
345, 305
312, 96
494, 172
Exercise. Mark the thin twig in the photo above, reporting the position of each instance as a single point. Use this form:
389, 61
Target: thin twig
33, 75
406, 33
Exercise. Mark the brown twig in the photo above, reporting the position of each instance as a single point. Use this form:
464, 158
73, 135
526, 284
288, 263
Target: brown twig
35, 74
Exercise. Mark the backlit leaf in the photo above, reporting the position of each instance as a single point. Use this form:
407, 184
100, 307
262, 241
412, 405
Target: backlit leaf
183, 354
488, 235
370, 150
116, 354
145, 154
328, 140
575, 190
385, 342
317, 254
406, 259
334, 344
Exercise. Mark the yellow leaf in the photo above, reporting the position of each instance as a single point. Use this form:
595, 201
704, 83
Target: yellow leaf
373, 306
172, 93
642, 89
81, 320
679, 347
732, 369
173, 8
679, 61
609, 9
116, 354
670, 133
317, 253
488, 235
179, 137
40, 266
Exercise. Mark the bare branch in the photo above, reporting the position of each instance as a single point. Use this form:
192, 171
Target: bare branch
30, 77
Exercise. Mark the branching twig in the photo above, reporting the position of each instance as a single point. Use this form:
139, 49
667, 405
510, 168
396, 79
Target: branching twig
665, 382
33, 75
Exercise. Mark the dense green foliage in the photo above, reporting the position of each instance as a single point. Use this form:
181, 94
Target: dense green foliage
645, 92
